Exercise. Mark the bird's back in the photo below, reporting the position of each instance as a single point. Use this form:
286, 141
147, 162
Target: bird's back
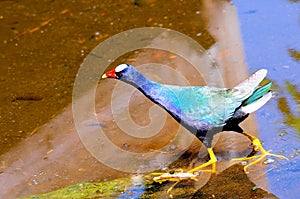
199, 107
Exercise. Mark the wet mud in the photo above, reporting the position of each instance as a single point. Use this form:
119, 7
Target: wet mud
42, 46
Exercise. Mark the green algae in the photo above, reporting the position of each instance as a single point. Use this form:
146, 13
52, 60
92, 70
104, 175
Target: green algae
105, 189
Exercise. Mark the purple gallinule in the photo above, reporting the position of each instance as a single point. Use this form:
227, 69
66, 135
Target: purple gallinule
204, 111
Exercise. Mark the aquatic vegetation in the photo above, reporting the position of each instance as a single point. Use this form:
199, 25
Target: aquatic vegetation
290, 119
294, 53
104, 189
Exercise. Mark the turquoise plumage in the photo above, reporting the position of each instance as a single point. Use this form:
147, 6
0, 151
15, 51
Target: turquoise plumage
258, 94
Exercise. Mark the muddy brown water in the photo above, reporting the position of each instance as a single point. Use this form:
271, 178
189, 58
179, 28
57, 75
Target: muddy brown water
42, 46
42, 49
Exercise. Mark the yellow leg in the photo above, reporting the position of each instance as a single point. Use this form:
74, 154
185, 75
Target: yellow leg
257, 147
170, 189
211, 162
180, 175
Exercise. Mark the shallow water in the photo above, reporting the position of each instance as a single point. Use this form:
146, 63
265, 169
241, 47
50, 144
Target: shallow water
270, 32
53, 156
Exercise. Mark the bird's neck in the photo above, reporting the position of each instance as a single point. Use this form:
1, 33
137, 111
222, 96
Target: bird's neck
139, 81
156, 92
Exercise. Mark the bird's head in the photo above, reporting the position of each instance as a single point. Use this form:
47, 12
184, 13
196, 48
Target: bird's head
119, 72
128, 74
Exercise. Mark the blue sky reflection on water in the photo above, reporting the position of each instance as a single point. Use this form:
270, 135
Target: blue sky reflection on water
269, 29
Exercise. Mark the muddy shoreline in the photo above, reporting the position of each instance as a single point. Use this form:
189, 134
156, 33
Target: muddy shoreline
42, 46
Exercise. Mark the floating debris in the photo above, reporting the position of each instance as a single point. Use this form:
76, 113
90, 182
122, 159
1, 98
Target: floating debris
137, 2
172, 56
126, 145
244, 163
172, 147
29, 98
34, 182
43, 24
269, 161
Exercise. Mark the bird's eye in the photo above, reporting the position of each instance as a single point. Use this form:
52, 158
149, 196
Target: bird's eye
118, 75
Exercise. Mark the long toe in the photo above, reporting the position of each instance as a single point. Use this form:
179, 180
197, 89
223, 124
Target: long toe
258, 158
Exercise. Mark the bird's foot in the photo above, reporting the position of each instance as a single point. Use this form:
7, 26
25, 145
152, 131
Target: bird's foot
174, 176
180, 175
257, 158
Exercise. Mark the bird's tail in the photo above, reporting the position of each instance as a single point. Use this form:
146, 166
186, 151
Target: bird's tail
253, 81
258, 98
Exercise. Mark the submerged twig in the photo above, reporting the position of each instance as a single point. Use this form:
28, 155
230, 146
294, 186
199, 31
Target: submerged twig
45, 23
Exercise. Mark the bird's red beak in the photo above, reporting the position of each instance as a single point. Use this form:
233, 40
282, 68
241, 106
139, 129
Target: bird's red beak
109, 74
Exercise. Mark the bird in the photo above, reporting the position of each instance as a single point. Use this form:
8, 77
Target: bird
204, 111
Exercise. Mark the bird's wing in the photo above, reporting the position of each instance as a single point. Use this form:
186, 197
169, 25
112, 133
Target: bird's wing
209, 105
203, 105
